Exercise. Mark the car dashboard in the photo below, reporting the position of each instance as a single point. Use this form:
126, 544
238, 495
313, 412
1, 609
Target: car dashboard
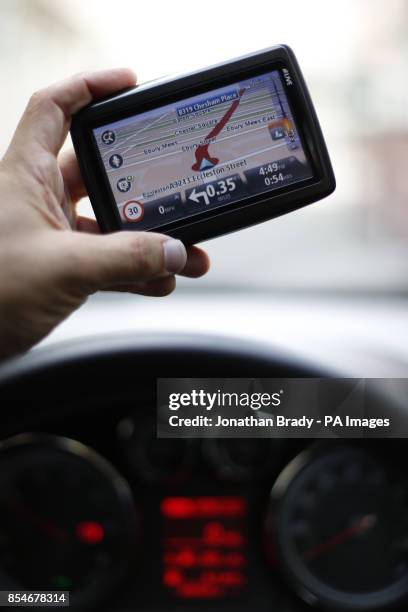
94, 504
126, 521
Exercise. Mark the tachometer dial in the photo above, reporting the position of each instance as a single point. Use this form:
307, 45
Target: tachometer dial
67, 520
339, 521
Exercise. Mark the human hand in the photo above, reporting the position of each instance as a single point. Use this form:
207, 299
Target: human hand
51, 259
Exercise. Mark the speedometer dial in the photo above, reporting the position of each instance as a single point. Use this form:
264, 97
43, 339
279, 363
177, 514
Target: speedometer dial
66, 518
340, 524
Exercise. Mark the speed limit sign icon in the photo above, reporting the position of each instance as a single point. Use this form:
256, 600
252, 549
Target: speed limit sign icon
133, 211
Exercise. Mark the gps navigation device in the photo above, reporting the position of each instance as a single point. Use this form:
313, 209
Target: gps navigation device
206, 153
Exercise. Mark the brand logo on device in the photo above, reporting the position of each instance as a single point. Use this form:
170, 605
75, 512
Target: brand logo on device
287, 77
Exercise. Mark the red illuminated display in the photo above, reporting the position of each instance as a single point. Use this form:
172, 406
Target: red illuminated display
90, 532
202, 507
204, 546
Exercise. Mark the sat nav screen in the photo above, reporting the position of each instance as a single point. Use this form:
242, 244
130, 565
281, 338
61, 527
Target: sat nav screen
202, 152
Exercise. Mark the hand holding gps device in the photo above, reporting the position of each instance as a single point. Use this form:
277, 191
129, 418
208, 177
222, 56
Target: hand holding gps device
206, 153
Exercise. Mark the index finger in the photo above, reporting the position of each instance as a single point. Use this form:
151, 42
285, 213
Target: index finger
47, 118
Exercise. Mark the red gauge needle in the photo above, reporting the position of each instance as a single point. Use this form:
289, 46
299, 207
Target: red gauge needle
364, 524
47, 527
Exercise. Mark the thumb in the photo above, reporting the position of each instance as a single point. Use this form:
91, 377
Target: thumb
99, 261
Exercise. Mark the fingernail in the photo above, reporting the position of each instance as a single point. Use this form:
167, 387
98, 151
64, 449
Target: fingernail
175, 255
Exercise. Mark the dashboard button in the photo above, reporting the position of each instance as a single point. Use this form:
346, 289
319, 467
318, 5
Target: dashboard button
155, 459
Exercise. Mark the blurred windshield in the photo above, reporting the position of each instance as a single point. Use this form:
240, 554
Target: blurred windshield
354, 55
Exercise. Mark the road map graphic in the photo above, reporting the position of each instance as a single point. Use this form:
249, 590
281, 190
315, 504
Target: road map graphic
205, 151
203, 158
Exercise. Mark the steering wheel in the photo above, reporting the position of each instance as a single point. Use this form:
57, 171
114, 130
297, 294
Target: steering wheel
108, 367
108, 363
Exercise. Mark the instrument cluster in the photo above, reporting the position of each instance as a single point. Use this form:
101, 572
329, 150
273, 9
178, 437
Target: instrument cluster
126, 521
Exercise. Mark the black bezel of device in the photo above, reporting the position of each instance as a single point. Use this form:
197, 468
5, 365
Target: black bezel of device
228, 217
